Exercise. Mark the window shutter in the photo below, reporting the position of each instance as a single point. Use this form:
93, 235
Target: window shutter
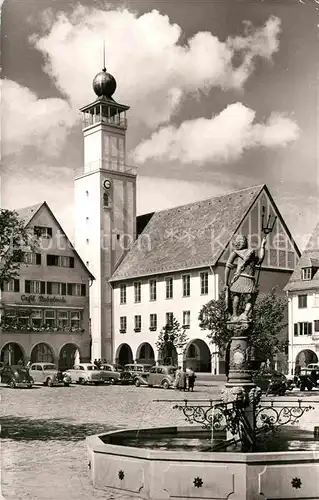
296, 329
49, 287
38, 258
49, 229
309, 328
27, 286
42, 286
71, 261
70, 288
83, 290
16, 285
63, 288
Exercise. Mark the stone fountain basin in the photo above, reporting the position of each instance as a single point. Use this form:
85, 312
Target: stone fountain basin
160, 474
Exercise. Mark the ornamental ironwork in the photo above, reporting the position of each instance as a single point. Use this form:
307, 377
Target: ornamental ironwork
198, 482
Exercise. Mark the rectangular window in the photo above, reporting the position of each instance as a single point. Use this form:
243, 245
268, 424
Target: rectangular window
66, 261
316, 300
63, 288
49, 318
63, 319
302, 301
137, 323
152, 284
44, 232
122, 294
186, 319
306, 273
137, 291
13, 285
153, 322
123, 324
169, 319
186, 285
32, 286
75, 320
53, 288
169, 287
53, 260
316, 325
83, 290
303, 328
78, 289
23, 317
37, 318
204, 283
32, 258
70, 289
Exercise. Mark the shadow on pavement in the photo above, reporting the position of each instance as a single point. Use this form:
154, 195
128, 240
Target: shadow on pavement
25, 429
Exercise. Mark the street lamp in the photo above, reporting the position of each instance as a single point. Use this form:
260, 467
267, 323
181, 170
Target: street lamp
10, 352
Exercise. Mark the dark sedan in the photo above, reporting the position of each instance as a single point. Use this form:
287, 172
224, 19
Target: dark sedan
272, 382
16, 376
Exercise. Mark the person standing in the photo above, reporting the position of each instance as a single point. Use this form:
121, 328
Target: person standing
191, 379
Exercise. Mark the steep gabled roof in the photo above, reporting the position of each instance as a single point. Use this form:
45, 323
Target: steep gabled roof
27, 214
188, 236
309, 258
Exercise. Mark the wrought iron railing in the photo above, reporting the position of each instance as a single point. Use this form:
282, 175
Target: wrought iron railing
112, 163
244, 424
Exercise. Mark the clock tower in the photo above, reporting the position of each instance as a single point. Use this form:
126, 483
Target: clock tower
105, 204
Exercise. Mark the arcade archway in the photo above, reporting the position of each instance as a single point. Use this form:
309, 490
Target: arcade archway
304, 358
124, 355
42, 353
12, 353
145, 354
197, 356
69, 356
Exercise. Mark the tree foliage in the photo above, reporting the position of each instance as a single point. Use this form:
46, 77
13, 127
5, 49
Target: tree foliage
14, 240
269, 321
176, 334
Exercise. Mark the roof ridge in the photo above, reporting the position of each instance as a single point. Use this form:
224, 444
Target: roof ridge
260, 186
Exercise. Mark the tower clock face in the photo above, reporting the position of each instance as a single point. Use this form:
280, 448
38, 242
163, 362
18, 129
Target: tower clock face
107, 184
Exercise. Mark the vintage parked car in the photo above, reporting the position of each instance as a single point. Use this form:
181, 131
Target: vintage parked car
163, 376
133, 372
86, 373
272, 382
48, 374
308, 379
110, 372
16, 376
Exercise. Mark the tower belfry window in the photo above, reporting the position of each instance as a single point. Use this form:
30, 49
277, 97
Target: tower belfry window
106, 200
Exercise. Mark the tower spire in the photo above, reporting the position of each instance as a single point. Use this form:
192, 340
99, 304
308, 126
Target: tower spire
104, 68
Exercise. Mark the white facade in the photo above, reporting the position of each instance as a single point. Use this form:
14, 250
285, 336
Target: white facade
303, 327
161, 306
105, 212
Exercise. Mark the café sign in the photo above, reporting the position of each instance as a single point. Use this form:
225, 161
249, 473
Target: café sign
42, 299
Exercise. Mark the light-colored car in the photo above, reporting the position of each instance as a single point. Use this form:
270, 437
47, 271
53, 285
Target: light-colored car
86, 373
48, 374
164, 376
110, 372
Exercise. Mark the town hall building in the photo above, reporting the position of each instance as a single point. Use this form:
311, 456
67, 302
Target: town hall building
163, 265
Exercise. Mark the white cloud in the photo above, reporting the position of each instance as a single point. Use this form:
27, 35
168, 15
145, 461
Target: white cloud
29, 121
154, 71
224, 137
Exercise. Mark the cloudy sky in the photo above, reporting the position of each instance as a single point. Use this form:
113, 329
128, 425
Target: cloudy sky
222, 94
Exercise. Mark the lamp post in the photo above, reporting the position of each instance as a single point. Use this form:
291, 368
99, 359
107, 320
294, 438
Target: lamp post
10, 353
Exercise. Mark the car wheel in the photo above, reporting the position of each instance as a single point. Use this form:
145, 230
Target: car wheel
66, 384
150, 385
49, 382
112, 381
309, 387
302, 387
81, 381
12, 384
165, 384
137, 383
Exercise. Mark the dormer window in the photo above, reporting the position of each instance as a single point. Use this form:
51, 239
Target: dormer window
306, 273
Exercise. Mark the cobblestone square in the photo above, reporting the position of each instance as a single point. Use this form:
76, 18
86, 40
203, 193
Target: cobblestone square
43, 452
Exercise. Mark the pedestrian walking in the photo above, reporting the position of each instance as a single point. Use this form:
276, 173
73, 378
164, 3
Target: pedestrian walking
191, 379
181, 379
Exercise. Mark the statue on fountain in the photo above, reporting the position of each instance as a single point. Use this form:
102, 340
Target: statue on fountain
241, 290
